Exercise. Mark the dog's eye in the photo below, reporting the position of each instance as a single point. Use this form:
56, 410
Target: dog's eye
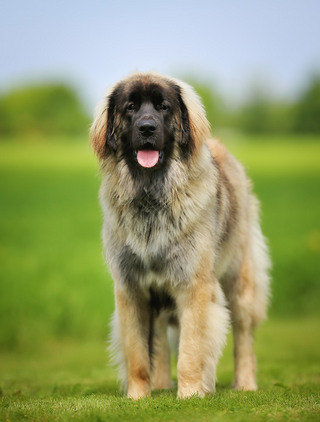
131, 107
163, 107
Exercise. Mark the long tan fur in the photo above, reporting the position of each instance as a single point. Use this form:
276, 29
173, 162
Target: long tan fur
188, 253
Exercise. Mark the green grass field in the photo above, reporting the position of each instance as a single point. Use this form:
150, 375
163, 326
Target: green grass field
56, 295
70, 381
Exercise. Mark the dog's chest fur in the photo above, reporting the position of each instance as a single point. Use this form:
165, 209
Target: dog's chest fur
156, 234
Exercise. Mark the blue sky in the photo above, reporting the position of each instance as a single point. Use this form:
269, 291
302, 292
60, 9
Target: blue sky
95, 43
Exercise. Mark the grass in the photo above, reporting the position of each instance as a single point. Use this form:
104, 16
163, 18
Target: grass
70, 381
56, 295
53, 278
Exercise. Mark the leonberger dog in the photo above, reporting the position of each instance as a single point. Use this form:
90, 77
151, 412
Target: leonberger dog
181, 236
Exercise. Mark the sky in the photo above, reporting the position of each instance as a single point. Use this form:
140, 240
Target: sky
92, 44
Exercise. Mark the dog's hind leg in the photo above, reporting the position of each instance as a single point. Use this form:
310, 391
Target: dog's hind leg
248, 297
161, 356
243, 324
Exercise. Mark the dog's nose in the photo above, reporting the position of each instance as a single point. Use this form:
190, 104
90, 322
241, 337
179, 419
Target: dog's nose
147, 126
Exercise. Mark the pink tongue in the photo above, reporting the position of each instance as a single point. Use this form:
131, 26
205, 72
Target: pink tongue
148, 157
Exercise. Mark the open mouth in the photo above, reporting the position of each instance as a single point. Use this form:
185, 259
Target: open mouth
149, 157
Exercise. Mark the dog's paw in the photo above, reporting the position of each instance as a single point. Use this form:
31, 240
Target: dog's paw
138, 391
138, 394
245, 385
189, 392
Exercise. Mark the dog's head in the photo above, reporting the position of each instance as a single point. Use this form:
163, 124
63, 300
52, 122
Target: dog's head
146, 119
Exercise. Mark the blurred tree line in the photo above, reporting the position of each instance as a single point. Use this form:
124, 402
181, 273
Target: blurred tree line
46, 109
56, 109
261, 113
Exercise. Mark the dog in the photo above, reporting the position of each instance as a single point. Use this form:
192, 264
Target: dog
181, 236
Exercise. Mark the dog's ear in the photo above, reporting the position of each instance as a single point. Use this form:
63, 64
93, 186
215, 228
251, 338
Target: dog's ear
102, 132
185, 138
195, 127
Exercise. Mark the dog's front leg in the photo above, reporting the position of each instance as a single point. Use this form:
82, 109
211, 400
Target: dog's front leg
132, 329
204, 324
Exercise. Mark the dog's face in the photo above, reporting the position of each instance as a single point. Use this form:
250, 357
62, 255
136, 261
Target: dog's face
145, 121
148, 117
